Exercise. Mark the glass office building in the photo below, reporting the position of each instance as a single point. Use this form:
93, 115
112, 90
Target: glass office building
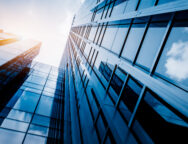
123, 78
127, 64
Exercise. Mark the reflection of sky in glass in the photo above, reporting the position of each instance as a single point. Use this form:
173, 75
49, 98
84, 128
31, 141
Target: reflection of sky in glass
177, 62
174, 60
48, 21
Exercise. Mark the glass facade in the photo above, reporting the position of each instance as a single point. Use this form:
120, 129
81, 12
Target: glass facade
130, 77
34, 114
122, 79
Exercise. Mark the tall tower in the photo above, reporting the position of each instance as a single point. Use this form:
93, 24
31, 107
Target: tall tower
126, 61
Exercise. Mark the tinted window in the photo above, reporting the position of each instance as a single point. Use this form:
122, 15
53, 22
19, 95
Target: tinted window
174, 60
131, 5
27, 102
165, 1
151, 44
133, 41
130, 96
156, 122
146, 3
45, 106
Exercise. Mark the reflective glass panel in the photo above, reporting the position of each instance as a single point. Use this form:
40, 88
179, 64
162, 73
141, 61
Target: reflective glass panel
19, 115
109, 36
119, 8
133, 41
38, 130
146, 3
151, 44
155, 122
119, 39
165, 1
173, 62
15, 125
32, 139
27, 102
130, 97
45, 106
10, 137
41, 120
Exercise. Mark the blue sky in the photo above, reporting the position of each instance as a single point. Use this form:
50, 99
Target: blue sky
48, 21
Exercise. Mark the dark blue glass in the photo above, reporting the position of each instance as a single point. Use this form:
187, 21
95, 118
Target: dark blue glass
146, 4
155, 122
130, 97
45, 106
27, 102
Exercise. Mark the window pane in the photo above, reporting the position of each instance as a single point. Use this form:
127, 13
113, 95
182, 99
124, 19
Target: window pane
119, 39
156, 122
19, 115
146, 3
109, 36
133, 41
119, 8
27, 102
38, 130
92, 33
32, 139
165, 1
15, 125
41, 120
131, 5
10, 137
151, 44
130, 97
174, 60
45, 106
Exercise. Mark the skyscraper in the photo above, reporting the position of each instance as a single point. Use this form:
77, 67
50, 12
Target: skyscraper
128, 71
123, 78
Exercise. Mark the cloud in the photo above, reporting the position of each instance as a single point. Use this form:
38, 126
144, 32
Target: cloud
177, 62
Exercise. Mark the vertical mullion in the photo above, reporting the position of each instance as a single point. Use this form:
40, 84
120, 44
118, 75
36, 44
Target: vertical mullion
137, 106
122, 90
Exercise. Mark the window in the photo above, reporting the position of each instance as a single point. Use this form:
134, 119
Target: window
165, 1
155, 122
27, 102
133, 41
174, 61
151, 44
119, 39
92, 33
146, 3
117, 80
14, 125
119, 8
131, 5
109, 36
33, 139
10, 137
129, 97
45, 106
